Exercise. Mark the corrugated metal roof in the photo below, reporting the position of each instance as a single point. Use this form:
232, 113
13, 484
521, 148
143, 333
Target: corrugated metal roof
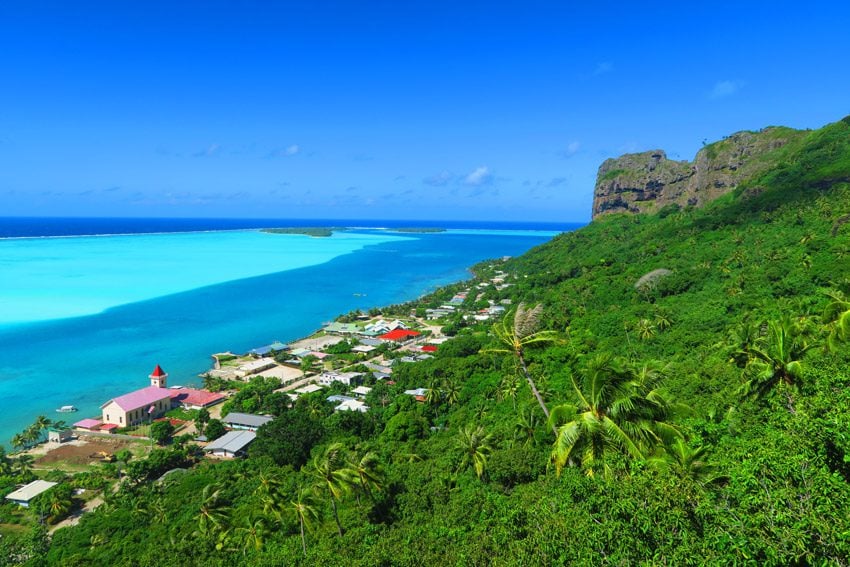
246, 419
31, 490
232, 441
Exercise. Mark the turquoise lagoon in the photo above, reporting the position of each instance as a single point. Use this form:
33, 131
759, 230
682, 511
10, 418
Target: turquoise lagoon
83, 319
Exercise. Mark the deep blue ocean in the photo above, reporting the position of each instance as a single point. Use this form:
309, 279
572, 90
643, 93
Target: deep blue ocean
86, 360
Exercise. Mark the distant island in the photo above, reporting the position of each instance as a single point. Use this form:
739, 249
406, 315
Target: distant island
321, 232
315, 231
420, 229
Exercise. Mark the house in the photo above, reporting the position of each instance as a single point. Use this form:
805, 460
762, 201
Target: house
24, 495
429, 348
364, 349
347, 378
342, 328
418, 394
381, 326
192, 399
58, 436
232, 444
339, 398
352, 405
88, 424
254, 367
378, 368
399, 335
247, 421
361, 391
308, 389
264, 350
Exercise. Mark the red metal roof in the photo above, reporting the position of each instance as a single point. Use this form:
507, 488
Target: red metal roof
109, 426
399, 334
158, 372
194, 397
429, 348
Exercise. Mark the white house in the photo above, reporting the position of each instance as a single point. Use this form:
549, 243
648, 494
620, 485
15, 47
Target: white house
26, 493
231, 444
347, 378
352, 405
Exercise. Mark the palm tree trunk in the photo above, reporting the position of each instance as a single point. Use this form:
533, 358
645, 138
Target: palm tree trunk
336, 516
303, 540
535, 391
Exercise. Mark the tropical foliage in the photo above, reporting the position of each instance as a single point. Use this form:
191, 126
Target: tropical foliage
698, 420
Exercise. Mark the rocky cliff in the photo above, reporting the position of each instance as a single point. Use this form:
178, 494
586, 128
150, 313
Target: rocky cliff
648, 181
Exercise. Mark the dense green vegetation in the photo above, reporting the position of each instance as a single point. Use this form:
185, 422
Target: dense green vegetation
694, 366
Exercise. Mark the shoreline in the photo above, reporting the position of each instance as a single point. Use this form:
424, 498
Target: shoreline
188, 372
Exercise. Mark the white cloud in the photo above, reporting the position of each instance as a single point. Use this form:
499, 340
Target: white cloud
292, 150
440, 180
480, 176
602, 68
725, 88
572, 149
211, 150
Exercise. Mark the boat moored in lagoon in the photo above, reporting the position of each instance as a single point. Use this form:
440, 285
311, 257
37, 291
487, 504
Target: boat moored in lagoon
66, 409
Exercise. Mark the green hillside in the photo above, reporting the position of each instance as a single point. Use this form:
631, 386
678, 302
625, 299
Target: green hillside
695, 363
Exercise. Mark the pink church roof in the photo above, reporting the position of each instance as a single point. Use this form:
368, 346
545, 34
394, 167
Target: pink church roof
140, 398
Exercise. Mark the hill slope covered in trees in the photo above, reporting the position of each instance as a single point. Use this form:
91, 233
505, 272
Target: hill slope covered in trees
695, 367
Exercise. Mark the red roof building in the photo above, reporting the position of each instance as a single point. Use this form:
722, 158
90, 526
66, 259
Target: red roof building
399, 335
429, 348
195, 399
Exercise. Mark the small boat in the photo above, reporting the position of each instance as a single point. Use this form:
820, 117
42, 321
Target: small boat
66, 409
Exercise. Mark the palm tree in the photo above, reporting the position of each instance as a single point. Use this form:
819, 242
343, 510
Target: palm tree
741, 340
775, 360
304, 509
42, 422
617, 409
59, 505
509, 387
5, 462
525, 426
368, 471
270, 493
663, 321
837, 317
518, 333
645, 329
332, 476
474, 445
18, 441
451, 391
686, 462
252, 533
22, 465
434, 395
213, 514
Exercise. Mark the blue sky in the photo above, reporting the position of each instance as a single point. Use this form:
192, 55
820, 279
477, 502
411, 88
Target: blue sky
415, 110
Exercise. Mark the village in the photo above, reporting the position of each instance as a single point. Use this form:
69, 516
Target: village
345, 359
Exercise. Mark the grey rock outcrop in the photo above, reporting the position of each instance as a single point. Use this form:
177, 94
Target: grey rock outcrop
647, 181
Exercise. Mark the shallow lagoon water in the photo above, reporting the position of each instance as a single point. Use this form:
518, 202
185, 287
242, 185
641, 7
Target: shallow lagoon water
88, 359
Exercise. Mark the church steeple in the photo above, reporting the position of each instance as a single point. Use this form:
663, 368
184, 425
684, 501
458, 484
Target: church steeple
158, 377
